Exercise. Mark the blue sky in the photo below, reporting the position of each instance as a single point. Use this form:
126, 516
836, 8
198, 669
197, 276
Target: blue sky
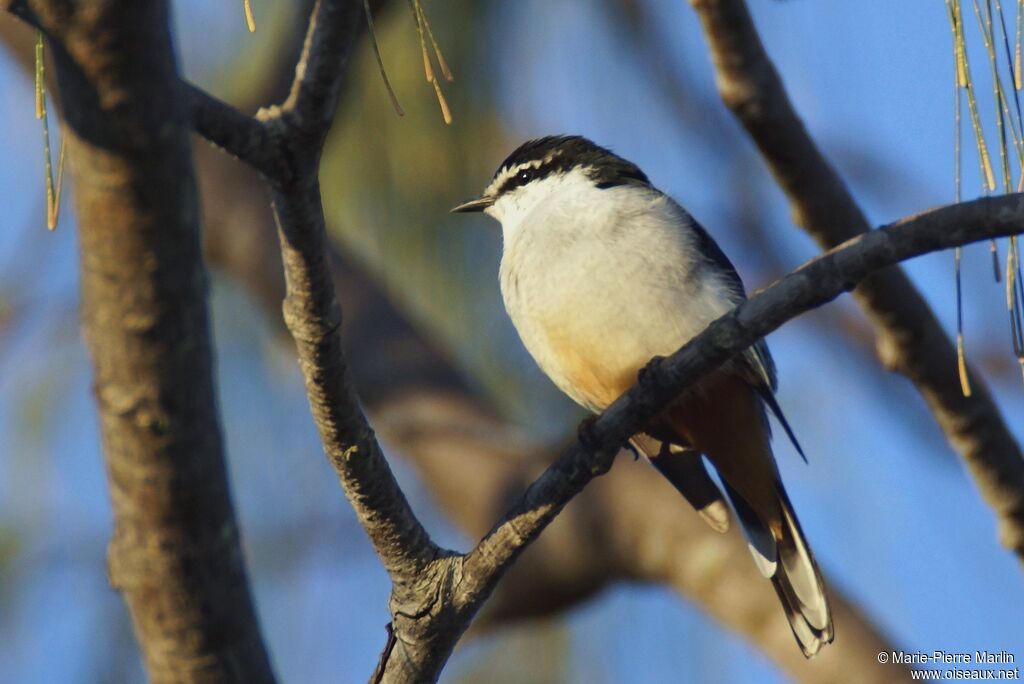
891, 514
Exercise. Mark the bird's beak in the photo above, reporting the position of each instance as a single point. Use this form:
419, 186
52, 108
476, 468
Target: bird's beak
474, 205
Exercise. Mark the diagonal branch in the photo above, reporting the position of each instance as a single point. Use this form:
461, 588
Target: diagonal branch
313, 317
235, 132
910, 339
810, 286
817, 282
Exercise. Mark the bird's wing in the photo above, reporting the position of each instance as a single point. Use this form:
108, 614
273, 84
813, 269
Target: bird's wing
757, 359
756, 364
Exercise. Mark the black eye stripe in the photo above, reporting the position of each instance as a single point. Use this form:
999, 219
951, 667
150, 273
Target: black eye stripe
562, 154
531, 173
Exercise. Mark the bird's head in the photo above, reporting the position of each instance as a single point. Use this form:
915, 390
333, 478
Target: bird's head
541, 168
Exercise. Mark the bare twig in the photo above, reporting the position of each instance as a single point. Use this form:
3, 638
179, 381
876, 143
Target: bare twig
311, 309
313, 316
236, 133
910, 339
422, 574
378, 672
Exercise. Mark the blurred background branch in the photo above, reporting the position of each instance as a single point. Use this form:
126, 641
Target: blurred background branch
910, 339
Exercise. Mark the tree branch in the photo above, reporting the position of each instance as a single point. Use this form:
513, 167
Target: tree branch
175, 555
629, 526
313, 317
421, 572
236, 133
910, 339
812, 285
311, 104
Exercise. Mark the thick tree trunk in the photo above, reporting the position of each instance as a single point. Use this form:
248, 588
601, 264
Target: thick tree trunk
175, 555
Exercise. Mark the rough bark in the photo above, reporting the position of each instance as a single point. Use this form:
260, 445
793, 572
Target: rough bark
175, 555
910, 340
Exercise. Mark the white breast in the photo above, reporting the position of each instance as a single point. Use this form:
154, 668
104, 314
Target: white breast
599, 281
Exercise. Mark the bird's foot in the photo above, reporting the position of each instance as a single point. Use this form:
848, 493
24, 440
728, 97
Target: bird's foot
646, 374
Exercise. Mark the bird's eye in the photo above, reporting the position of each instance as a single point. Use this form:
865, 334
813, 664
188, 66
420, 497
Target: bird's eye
525, 176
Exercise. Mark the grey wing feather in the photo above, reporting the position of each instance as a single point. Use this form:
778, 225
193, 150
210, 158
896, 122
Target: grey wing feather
757, 364
758, 359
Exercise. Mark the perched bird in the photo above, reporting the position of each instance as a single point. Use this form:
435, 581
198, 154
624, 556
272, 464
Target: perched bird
600, 272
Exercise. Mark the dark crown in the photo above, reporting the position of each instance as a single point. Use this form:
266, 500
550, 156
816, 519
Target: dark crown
562, 153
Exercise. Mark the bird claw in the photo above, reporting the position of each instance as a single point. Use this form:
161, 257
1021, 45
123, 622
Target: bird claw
645, 374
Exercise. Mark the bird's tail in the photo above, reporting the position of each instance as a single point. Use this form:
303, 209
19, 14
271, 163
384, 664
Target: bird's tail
685, 469
782, 555
726, 422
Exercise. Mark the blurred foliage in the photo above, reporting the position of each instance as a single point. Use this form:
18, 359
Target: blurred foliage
10, 544
255, 56
537, 651
38, 399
